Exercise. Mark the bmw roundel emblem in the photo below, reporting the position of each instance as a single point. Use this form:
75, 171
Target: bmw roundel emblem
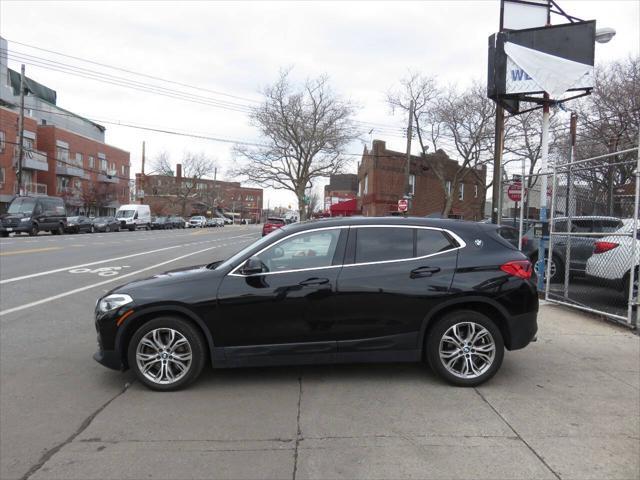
478, 242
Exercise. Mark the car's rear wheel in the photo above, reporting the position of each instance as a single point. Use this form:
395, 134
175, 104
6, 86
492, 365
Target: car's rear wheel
93, 229
465, 348
107, 229
557, 268
167, 353
34, 230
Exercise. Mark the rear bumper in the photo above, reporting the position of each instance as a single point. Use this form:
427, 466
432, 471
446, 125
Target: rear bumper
108, 358
522, 330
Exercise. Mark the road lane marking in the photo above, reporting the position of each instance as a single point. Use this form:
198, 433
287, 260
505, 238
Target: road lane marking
63, 269
30, 250
87, 287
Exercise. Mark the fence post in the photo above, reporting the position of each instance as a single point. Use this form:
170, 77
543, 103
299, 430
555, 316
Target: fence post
634, 239
551, 231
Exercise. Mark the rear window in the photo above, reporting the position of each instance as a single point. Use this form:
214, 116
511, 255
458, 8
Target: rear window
607, 226
278, 221
378, 244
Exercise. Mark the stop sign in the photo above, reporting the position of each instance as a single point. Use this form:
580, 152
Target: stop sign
403, 205
514, 191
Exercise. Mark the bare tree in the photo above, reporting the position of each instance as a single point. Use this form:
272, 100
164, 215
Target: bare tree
313, 202
161, 164
305, 131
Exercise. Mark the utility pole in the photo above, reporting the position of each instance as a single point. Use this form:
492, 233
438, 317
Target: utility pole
142, 182
544, 157
569, 194
496, 195
21, 131
407, 172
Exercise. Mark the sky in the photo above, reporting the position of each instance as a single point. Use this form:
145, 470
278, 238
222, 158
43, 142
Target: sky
230, 51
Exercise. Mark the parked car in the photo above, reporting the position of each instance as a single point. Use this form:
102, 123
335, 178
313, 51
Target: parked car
78, 224
175, 221
134, 216
34, 214
610, 263
219, 221
271, 224
581, 247
211, 222
105, 224
160, 223
452, 293
197, 221
511, 235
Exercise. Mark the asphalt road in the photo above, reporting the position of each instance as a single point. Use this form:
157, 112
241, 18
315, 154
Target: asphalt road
49, 384
565, 407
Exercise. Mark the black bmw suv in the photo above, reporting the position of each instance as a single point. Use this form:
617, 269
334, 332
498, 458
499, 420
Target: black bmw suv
454, 294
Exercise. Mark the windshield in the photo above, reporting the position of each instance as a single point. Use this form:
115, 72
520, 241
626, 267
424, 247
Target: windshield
101, 219
126, 213
238, 256
22, 205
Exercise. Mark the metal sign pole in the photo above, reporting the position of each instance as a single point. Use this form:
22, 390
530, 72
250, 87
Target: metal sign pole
544, 147
522, 197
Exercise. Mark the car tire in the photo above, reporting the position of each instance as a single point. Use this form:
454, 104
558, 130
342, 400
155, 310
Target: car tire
157, 333
459, 361
107, 229
557, 269
625, 285
33, 232
93, 229
131, 229
4, 234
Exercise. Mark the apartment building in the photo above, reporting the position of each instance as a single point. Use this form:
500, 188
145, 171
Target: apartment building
65, 154
382, 180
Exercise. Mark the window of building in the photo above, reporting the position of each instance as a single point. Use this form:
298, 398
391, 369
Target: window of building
103, 164
1, 175
62, 183
447, 187
412, 184
475, 191
461, 191
431, 241
79, 160
365, 184
2, 143
112, 166
92, 162
308, 250
62, 155
122, 169
377, 244
77, 183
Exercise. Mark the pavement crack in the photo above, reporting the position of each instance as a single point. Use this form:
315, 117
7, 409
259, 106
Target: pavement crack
555, 474
83, 426
299, 430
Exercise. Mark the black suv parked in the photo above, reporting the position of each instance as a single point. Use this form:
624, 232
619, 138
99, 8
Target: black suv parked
452, 293
34, 214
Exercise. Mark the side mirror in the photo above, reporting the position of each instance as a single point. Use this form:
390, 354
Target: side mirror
252, 266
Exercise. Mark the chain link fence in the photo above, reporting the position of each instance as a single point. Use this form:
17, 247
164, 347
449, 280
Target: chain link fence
593, 251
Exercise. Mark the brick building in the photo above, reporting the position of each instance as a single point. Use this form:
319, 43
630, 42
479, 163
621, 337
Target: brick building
340, 188
65, 154
91, 176
178, 195
381, 178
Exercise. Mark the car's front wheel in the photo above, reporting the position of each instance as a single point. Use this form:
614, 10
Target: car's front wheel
167, 353
465, 348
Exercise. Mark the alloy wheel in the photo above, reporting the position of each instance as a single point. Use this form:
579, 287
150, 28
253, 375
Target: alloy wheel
164, 356
467, 350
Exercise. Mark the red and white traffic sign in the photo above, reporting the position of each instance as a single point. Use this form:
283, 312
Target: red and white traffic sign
403, 205
515, 191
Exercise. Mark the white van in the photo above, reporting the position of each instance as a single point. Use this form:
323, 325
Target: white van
134, 216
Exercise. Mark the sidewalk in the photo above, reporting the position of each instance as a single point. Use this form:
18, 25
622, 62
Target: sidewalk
566, 407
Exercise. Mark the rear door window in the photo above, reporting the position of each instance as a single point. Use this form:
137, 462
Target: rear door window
377, 244
429, 242
607, 226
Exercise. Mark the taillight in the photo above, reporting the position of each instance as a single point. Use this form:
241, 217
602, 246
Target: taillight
601, 247
517, 268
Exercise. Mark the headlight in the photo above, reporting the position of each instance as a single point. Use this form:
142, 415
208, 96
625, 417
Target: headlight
113, 301
101, 224
25, 219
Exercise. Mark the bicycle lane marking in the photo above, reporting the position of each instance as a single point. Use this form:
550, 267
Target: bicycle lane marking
63, 269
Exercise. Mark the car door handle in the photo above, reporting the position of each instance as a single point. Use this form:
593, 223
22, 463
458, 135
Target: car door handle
423, 272
314, 281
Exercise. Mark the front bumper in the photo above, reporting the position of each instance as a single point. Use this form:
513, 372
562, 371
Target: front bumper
109, 358
23, 228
